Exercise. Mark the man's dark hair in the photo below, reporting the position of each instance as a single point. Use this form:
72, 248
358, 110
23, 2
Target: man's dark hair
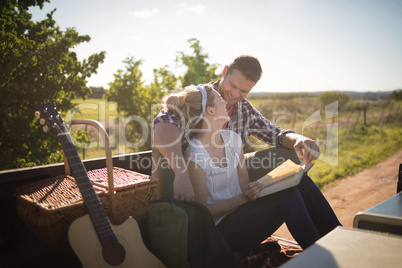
248, 65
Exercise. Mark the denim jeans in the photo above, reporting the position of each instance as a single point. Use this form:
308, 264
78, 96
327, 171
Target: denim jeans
303, 208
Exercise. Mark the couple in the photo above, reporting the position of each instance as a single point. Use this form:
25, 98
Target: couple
207, 125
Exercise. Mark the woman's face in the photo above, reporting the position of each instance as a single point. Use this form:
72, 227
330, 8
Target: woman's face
220, 112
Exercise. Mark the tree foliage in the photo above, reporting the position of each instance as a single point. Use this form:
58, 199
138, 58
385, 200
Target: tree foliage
133, 98
396, 95
164, 79
330, 97
37, 65
127, 89
198, 69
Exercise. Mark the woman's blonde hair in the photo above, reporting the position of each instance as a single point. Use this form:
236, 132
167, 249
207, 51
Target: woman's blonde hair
186, 104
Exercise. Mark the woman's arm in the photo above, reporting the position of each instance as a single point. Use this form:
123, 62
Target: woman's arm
251, 190
242, 171
199, 180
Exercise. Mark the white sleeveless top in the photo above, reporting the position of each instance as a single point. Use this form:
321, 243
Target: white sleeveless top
222, 180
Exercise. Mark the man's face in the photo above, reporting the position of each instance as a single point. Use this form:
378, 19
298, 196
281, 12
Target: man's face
234, 87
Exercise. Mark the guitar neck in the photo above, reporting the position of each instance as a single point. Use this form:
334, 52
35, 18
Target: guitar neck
95, 209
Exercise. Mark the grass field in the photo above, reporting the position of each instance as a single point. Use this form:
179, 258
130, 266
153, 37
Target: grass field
362, 149
99, 110
95, 109
364, 132
350, 139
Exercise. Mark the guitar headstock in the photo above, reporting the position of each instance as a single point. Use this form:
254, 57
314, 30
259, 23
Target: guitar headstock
49, 114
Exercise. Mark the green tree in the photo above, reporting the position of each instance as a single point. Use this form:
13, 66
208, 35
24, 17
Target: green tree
133, 98
165, 80
128, 89
330, 97
198, 69
396, 95
36, 66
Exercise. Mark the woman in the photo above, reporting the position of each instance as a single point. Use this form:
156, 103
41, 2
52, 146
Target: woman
220, 179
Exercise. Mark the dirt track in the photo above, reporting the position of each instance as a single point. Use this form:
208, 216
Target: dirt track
360, 191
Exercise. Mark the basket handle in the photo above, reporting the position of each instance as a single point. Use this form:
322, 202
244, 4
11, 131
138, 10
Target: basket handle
108, 152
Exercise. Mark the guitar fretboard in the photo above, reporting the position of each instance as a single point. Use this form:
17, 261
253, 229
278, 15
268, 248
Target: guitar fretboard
95, 209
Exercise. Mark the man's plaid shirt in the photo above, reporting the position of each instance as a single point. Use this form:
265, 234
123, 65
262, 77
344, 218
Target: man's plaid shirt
245, 121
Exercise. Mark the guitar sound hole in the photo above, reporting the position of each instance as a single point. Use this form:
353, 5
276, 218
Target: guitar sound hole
113, 253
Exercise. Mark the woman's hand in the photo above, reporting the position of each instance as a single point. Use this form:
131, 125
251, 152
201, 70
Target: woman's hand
253, 190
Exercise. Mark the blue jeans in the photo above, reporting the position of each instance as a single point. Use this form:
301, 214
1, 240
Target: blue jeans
303, 208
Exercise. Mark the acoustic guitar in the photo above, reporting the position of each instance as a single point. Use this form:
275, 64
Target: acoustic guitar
95, 241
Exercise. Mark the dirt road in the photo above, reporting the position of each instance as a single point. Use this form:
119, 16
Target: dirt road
360, 191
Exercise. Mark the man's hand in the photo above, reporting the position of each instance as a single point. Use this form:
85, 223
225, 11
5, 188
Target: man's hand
182, 187
304, 147
311, 149
253, 190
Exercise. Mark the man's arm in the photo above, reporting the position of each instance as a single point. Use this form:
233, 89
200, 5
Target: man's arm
167, 139
299, 143
263, 129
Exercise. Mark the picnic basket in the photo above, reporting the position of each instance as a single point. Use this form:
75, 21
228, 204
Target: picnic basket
49, 206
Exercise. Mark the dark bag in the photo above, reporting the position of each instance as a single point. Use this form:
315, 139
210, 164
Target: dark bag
183, 234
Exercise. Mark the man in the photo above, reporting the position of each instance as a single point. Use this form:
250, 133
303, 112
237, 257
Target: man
238, 78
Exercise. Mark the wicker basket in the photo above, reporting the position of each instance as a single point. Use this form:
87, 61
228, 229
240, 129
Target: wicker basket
49, 206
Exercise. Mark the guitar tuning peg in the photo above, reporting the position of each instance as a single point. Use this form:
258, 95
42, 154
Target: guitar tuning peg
45, 129
37, 114
42, 121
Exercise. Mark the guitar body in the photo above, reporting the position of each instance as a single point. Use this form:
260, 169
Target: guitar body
86, 245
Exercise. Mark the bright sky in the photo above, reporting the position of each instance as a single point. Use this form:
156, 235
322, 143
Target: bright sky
303, 45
